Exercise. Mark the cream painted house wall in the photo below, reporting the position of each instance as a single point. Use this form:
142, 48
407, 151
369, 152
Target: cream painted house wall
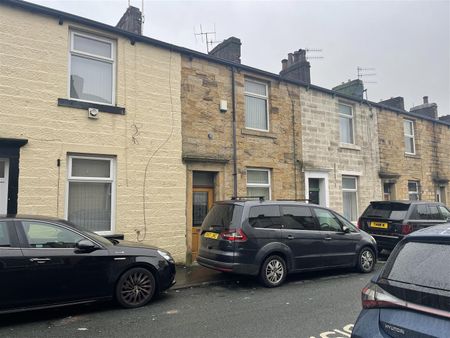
34, 59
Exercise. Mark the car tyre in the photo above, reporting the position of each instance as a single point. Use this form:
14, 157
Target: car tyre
273, 271
135, 288
366, 260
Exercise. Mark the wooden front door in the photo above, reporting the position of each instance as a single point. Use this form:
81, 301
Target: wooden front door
202, 201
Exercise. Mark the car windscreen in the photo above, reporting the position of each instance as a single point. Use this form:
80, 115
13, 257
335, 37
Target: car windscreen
422, 265
223, 217
393, 211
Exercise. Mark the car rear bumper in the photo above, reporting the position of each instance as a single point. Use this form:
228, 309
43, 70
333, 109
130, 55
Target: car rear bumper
386, 241
243, 269
367, 325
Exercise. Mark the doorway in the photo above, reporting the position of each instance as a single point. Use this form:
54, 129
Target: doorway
4, 180
202, 202
316, 188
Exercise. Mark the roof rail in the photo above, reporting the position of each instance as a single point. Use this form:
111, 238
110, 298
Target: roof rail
295, 200
242, 198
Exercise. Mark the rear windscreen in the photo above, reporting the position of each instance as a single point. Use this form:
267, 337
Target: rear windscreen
223, 216
394, 211
422, 264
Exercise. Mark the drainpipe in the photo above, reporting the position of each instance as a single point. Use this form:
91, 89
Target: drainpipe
233, 95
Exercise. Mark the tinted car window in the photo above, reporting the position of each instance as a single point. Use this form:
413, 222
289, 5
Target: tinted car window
434, 212
267, 216
299, 218
4, 235
420, 211
393, 211
348, 224
223, 216
422, 264
44, 235
444, 211
327, 220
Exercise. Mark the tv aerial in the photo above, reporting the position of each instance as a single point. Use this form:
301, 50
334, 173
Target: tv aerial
209, 38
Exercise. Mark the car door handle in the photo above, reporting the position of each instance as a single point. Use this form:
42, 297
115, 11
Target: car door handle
39, 260
290, 237
328, 238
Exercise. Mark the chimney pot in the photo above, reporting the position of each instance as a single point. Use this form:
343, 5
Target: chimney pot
425, 99
284, 64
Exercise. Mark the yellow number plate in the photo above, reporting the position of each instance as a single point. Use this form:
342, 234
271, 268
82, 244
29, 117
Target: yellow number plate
212, 235
380, 225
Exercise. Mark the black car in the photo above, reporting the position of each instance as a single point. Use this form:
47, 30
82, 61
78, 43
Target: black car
274, 238
389, 221
47, 262
410, 297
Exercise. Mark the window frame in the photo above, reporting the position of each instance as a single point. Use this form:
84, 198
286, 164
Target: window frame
260, 185
86, 55
411, 192
411, 136
351, 118
265, 97
355, 190
79, 179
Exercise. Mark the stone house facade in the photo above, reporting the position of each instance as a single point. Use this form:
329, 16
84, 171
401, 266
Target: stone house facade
116, 169
414, 161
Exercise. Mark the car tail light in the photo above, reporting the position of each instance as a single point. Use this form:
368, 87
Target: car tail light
359, 223
373, 296
407, 228
235, 235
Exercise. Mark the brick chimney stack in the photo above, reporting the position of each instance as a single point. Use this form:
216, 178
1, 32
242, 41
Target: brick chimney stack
131, 21
296, 67
426, 109
229, 49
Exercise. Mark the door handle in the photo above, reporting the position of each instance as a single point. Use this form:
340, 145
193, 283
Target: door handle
328, 238
39, 260
290, 237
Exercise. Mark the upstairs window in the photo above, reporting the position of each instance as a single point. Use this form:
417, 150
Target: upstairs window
256, 102
92, 70
258, 183
408, 130
346, 124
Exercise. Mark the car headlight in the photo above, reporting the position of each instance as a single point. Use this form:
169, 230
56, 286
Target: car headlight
166, 255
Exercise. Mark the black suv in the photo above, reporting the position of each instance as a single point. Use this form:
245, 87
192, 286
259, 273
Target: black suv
274, 238
389, 221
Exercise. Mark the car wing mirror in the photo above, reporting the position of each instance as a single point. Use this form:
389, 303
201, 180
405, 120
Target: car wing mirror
86, 245
345, 229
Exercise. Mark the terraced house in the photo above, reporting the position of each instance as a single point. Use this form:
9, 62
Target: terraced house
91, 125
128, 135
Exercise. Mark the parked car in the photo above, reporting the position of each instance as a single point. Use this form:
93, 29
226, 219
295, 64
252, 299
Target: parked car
48, 262
389, 221
270, 239
411, 295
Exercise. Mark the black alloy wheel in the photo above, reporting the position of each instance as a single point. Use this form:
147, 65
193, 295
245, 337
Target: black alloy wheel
135, 288
366, 260
273, 271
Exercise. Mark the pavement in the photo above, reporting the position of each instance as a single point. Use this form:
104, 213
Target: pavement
197, 275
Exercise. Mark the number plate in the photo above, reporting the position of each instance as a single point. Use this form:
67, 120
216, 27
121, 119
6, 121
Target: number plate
379, 225
211, 235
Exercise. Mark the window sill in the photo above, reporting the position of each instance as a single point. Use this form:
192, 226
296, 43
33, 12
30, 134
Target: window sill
258, 133
85, 105
412, 156
349, 146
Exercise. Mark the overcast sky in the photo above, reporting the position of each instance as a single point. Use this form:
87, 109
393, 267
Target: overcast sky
407, 42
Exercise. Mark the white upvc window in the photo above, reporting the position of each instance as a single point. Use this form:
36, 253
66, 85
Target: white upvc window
350, 197
413, 191
408, 130
256, 105
91, 68
346, 124
90, 198
258, 183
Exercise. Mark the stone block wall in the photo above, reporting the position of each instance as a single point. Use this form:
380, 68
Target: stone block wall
145, 142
